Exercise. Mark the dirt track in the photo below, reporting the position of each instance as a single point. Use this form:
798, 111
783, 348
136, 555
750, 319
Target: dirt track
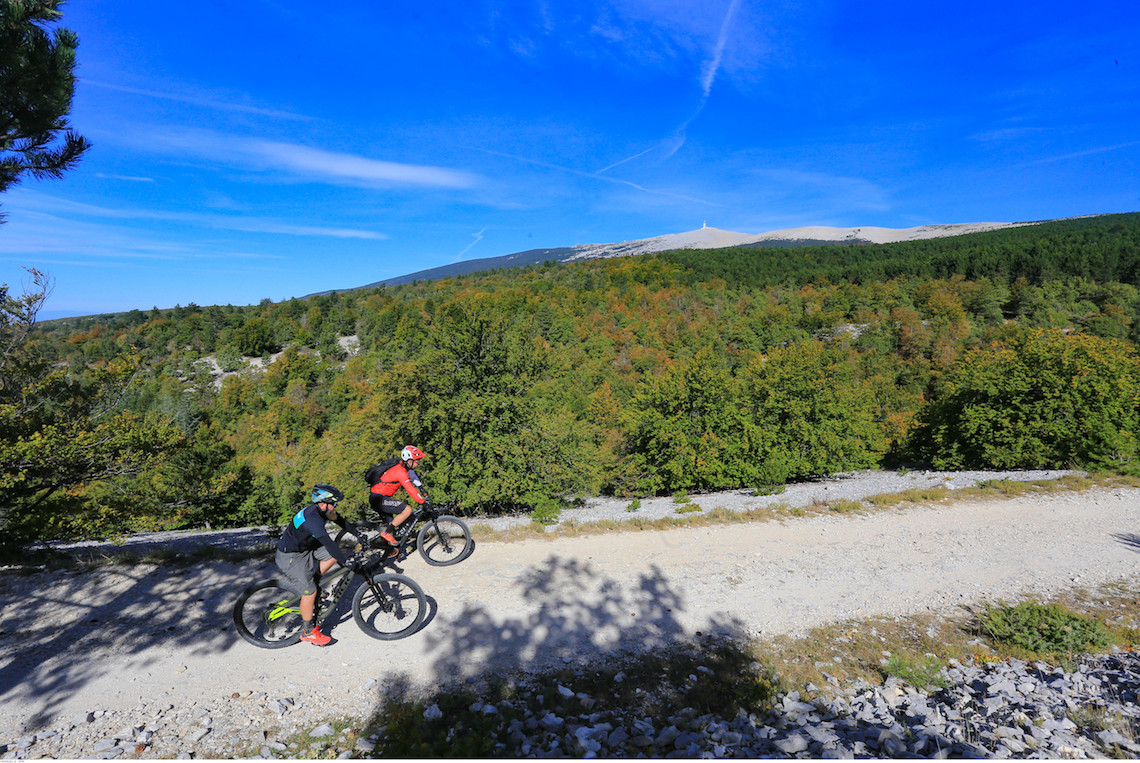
123, 637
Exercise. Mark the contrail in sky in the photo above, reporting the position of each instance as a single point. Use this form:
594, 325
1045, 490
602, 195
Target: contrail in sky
478, 237
596, 176
708, 77
714, 65
627, 159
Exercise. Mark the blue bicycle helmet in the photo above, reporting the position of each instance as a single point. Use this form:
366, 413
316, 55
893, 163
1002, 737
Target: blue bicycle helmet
326, 494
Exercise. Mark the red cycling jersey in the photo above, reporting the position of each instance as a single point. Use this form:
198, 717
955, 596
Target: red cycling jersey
395, 478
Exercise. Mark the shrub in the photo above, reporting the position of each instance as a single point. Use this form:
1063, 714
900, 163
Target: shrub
922, 671
1044, 629
1041, 399
546, 511
229, 359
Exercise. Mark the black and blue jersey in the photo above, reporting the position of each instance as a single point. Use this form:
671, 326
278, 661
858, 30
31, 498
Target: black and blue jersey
306, 532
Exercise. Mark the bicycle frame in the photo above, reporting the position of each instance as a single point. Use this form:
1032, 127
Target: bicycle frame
328, 598
409, 530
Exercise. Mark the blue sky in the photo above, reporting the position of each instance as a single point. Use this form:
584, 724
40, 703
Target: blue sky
271, 148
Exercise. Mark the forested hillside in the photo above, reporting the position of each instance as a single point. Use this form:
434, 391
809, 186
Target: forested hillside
689, 370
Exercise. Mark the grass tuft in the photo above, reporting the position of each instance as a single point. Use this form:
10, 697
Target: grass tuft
844, 506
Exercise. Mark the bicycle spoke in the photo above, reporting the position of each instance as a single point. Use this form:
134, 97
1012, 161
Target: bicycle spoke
445, 541
268, 615
389, 606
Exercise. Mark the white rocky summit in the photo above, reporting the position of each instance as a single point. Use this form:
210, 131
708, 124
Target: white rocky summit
715, 238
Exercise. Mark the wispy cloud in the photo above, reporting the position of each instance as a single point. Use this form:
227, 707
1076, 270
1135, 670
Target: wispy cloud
708, 78
69, 210
307, 163
51, 239
713, 66
208, 102
1007, 133
319, 163
258, 225
822, 192
709, 71
127, 178
1079, 154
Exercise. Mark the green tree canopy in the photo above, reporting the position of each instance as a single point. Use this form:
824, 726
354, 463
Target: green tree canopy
1043, 398
37, 81
61, 430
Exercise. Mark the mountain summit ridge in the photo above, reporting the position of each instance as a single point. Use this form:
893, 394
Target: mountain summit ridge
704, 237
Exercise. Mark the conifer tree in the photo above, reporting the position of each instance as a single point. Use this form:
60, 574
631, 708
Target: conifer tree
37, 81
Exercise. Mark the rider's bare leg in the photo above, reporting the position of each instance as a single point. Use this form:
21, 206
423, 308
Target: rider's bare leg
400, 518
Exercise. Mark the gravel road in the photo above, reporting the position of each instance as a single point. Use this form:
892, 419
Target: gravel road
125, 637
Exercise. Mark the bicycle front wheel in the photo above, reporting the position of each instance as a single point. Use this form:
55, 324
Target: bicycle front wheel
447, 540
389, 606
268, 615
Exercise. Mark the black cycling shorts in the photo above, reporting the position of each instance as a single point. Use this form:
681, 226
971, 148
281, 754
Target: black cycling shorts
382, 504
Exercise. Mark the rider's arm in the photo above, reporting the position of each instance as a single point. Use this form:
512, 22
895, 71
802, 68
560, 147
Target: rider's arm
316, 526
410, 488
347, 525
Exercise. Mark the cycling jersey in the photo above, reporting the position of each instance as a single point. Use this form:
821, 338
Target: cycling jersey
397, 477
306, 532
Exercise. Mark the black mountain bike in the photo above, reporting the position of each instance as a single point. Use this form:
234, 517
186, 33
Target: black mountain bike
440, 538
386, 606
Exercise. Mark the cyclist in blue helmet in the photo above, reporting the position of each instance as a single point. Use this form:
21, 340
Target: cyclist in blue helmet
306, 551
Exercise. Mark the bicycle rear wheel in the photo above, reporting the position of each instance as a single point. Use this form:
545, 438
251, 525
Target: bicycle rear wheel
268, 615
445, 541
390, 606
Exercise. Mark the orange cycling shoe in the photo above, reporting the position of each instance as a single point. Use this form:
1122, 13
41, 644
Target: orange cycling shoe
388, 537
316, 637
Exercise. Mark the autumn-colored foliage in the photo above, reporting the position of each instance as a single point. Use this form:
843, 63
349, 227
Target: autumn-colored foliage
531, 387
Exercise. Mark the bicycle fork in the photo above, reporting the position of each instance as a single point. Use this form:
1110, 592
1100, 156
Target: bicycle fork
383, 600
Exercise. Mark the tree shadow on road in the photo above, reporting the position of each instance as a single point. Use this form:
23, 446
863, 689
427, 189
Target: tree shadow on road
579, 615
1131, 540
53, 623
575, 619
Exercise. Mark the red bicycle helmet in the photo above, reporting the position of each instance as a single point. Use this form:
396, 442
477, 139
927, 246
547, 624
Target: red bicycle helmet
411, 453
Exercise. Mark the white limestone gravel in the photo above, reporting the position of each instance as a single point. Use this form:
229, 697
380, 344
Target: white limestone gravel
124, 642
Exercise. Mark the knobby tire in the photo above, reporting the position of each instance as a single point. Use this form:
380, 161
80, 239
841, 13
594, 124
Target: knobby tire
389, 607
267, 615
444, 541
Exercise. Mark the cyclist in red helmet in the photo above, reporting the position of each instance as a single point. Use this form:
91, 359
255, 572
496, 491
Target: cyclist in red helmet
399, 475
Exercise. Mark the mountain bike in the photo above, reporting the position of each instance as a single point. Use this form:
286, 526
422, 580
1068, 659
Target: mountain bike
386, 606
441, 539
